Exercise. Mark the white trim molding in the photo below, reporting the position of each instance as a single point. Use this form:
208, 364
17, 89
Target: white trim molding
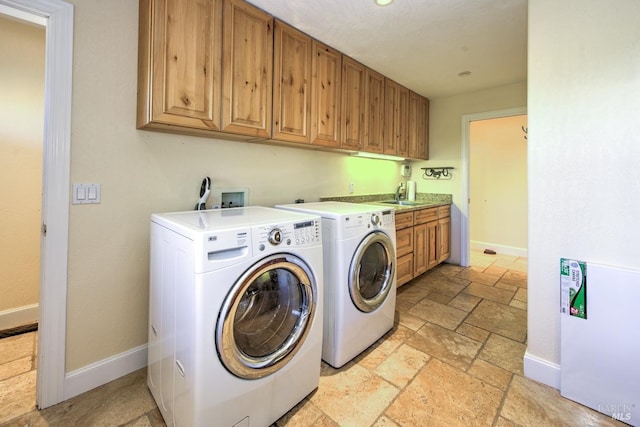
19, 316
55, 192
104, 371
541, 370
500, 249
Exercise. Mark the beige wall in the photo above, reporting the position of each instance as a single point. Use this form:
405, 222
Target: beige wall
21, 120
143, 172
584, 148
498, 184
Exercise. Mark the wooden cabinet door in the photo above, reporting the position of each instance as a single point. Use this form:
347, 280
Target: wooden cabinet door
291, 84
420, 249
404, 220
374, 118
418, 126
353, 104
247, 60
404, 269
444, 225
396, 121
433, 248
403, 122
326, 84
404, 241
180, 45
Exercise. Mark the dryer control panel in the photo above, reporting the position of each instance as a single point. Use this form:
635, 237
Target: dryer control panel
294, 234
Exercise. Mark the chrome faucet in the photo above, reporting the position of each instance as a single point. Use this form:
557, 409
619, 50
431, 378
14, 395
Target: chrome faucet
397, 196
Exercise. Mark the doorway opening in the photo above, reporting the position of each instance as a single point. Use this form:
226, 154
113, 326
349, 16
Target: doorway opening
57, 17
22, 70
465, 209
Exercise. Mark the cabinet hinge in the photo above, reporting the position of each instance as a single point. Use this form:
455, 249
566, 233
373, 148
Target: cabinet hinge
44, 229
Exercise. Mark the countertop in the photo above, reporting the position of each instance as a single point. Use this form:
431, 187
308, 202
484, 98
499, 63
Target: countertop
423, 200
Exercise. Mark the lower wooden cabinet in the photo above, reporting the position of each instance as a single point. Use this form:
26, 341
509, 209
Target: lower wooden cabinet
422, 241
433, 251
444, 224
404, 247
404, 269
420, 252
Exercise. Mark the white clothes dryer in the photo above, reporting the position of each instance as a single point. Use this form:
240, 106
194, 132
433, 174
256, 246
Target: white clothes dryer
235, 316
359, 247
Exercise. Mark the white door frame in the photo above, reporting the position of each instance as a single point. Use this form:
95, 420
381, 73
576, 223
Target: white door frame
465, 245
58, 18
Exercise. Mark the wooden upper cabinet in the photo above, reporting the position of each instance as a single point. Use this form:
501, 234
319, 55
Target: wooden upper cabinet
418, 127
396, 100
374, 118
227, 69
180, 45
291, 84
326, 84
247, 70
353, 104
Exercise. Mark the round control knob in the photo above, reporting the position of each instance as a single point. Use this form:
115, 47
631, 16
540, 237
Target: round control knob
275, 236
375, 219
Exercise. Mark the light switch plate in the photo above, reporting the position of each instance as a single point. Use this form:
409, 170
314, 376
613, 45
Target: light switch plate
86, 194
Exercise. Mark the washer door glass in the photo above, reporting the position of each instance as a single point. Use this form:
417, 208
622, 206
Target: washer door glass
266, 316
372, 271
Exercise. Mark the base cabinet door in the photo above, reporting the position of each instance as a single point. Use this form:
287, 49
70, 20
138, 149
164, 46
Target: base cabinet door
433, 249
404, 252
247, 60
404, 269
444, 233
420, 249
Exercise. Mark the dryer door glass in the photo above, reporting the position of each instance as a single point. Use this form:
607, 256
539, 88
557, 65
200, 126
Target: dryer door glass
266, 316
372, 271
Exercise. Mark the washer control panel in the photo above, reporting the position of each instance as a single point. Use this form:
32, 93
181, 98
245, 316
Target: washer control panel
371, 220
388, 218
290, 234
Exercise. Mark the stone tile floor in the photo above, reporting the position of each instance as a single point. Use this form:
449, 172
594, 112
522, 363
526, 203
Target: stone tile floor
454, 358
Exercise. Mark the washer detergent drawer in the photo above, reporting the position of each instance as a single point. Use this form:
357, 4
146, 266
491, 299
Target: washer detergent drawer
223, 248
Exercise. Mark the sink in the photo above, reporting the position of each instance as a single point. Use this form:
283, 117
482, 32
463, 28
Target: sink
402, 202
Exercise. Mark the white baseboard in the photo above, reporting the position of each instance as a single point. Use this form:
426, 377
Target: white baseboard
106, 370
542, 370
19, 316
500, 249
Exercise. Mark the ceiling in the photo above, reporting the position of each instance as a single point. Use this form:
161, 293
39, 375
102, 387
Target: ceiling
421, 44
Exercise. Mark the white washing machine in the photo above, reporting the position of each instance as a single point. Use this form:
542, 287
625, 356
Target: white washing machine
235, 330
359, 246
